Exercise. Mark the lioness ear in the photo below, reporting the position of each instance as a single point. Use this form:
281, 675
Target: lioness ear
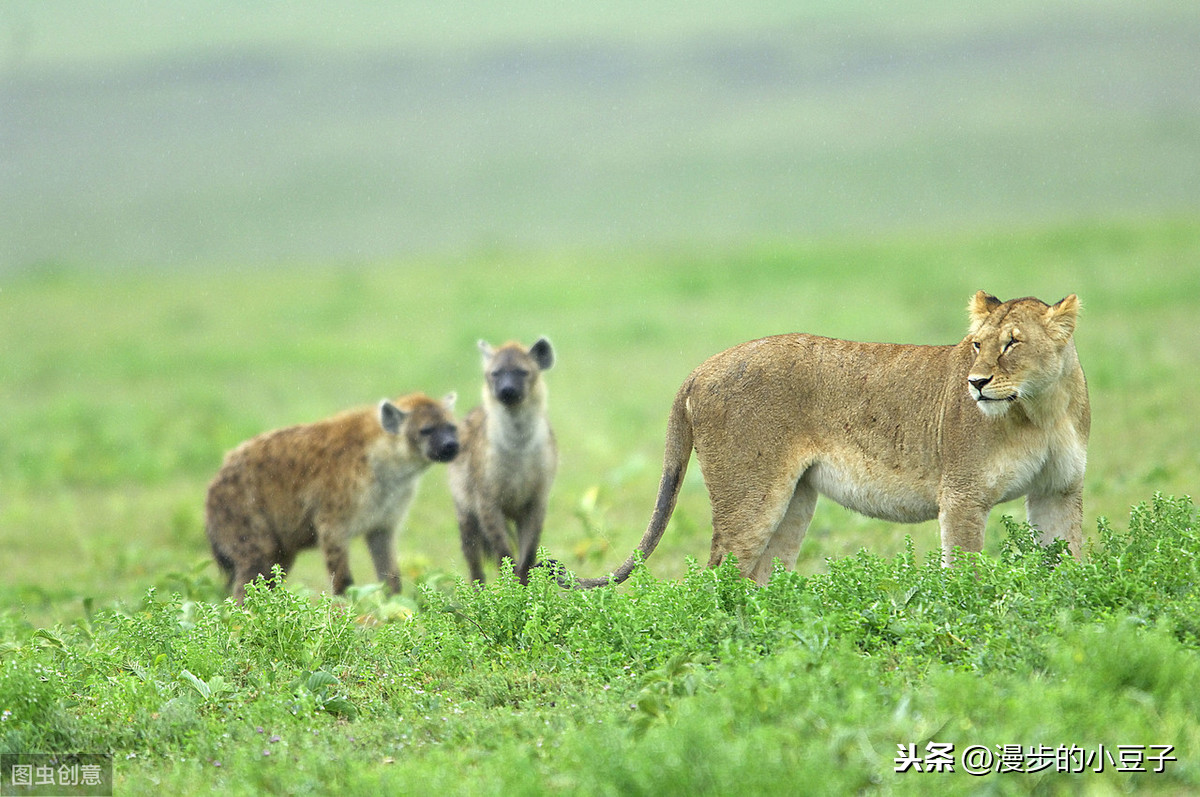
1061, 317
980, 307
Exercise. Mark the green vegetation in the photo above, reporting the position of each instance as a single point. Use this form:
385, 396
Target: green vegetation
127, 388
705, 685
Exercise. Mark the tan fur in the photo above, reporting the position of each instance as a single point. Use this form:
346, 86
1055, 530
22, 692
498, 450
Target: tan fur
323, 483
901, 433
508, 461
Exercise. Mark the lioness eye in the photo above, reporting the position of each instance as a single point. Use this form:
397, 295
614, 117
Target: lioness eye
1010, 344
975, 345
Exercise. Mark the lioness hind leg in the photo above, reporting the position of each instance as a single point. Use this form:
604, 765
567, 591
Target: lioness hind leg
1057, 516
744, 522
784, 544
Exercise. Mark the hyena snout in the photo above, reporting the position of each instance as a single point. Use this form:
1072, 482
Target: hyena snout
442, 444
509, 388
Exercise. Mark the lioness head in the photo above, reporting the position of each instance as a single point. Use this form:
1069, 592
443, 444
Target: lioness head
1020, 348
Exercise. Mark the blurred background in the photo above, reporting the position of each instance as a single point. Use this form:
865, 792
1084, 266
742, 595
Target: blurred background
135, 133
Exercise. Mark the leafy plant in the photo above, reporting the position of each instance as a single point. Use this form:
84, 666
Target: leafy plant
215, 691
320, 689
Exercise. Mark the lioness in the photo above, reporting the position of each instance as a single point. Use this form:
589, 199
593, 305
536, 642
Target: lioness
901, 433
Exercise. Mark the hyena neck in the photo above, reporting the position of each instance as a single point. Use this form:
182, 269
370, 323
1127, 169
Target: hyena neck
392, 467
517, 428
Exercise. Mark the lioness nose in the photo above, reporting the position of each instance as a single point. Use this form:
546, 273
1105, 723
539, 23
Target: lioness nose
979, 382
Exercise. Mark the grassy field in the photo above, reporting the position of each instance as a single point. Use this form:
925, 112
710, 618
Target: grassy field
126, 388
1076, 679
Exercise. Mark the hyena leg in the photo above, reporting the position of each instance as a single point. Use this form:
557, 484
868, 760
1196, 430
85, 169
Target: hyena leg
337, 562
493, 528
381, 543
248, 570
529, 535
784, 544
1058, 516
252, 552
472, 543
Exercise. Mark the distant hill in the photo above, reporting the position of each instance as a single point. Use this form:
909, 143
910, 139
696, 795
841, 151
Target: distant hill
317, 139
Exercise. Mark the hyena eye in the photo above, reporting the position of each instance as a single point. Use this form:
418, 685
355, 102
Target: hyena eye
426, 431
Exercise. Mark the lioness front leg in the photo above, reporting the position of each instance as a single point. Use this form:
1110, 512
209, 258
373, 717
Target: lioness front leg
962, 524
1058, 516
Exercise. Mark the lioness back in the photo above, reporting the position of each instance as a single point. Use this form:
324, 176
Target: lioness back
843, 409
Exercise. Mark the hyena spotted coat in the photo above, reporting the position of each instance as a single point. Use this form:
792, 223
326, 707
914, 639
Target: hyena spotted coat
509, 459
320, 484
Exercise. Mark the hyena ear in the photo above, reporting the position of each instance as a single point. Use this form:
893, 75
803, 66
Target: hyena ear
1061, 317
542, 353
448, 401
485, 349
980, 307
391, 417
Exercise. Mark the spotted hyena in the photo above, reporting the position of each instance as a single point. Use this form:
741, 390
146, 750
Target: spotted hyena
320, 484
508, 461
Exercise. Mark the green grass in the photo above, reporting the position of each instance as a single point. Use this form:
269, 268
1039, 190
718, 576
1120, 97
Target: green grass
704, 685
121, 391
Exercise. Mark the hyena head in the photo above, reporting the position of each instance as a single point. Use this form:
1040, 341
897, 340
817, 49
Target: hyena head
512, 370
428, 426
